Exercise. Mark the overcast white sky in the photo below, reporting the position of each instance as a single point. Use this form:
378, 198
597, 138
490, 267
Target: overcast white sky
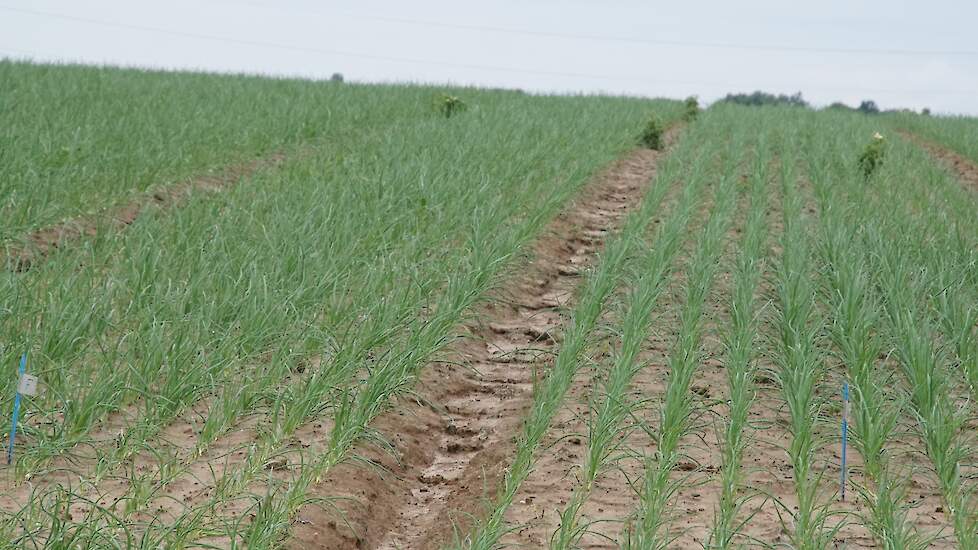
899, 53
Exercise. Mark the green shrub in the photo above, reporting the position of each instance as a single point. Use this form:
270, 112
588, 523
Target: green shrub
759, 99
868, 107
652, 134
872, 156
450, 105
692, 109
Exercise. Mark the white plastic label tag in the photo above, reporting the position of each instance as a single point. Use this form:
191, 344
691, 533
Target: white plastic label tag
28, 385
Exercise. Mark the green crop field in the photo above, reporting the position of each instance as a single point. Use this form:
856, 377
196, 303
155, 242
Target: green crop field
400, 316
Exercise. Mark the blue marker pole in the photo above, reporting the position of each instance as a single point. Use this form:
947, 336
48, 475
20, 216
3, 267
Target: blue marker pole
845, 433
13, 428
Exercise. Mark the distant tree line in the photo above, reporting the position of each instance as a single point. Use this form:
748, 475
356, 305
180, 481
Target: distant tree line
867, 107
759, 98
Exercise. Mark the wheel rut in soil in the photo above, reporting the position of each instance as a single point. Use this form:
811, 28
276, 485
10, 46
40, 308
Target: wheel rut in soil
454, 440
535, 513
965, 169
36, 246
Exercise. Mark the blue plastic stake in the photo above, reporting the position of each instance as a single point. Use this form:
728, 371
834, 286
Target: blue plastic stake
845, 433
13, 428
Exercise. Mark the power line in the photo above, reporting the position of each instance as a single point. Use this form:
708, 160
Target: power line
633, 40
417, 61
306, 49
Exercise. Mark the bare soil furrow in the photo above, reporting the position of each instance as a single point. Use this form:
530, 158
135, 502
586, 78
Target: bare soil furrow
965, 169
33, 248
613, 498
454, 440
551, 484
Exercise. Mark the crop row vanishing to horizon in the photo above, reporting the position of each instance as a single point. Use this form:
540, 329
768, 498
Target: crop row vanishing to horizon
215, 367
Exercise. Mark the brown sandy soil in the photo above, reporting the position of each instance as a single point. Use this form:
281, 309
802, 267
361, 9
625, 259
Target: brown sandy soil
38, 245
965, 169
453, 443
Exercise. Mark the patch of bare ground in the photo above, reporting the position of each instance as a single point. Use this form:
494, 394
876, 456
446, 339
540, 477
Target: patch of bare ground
965, 169
453, 441
34, 247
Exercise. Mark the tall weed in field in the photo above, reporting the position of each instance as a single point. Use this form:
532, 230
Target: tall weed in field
872, 156
692, 109
450, 105
652, 134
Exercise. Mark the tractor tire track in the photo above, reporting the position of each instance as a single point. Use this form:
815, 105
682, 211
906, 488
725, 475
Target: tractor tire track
454, 440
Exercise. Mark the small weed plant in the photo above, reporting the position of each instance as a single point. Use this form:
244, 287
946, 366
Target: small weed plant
450, 105
872, 156
692, 109
652, 134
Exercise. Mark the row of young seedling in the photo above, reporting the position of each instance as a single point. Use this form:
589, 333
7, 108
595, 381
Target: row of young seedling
740, 359
889, 289
851, 298
939, 237
917, 265
650, 523
799, 370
